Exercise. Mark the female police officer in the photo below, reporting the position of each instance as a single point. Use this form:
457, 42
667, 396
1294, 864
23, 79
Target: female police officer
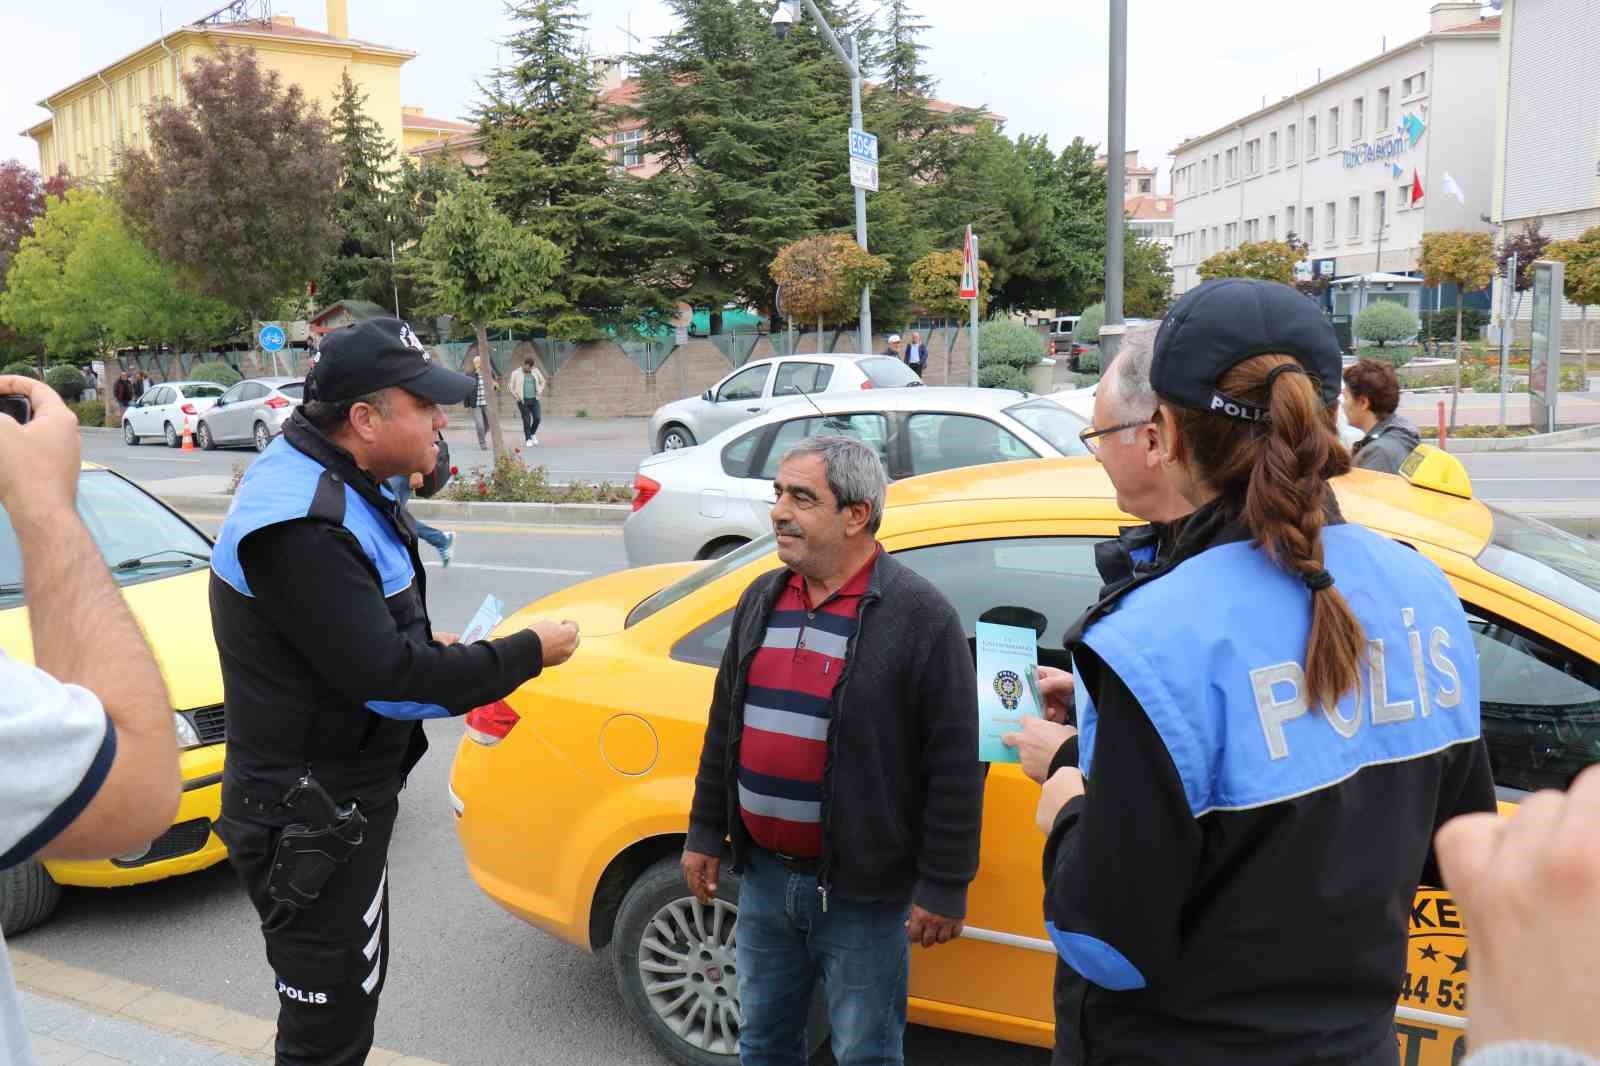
1273, 725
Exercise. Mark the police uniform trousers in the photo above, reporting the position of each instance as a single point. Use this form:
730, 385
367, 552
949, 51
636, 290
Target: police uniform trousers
331, 958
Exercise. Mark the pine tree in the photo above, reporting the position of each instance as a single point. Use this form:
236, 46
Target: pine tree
365, 206
546, 171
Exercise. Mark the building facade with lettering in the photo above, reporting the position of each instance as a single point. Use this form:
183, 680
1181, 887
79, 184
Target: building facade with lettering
1359, 165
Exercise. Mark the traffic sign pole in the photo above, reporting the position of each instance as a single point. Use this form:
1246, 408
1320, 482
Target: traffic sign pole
857, 126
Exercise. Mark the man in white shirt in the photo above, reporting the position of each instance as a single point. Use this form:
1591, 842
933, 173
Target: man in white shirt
88, 755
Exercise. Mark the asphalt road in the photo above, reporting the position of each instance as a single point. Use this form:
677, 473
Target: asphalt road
469, 983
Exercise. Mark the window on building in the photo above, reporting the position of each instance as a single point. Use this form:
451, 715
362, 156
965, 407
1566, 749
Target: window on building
1415, 84
1383, 109
1250, 230
1272, 227
1272, 149
1205, 174
1288, 220
1144, 186
1358, 118
1216, 239
1355, 217
1334, 139
626, 152
1202, 244
1311, 136
1402, 197
1290, 142
1380, 211
1309, 234
1233, 164
1330, 213
1252, 156
1216, 170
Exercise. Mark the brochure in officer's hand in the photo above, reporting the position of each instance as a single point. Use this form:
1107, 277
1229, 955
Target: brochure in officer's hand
1008, 689
490, 612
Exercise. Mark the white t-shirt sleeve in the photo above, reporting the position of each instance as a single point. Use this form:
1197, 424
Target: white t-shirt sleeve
56, 748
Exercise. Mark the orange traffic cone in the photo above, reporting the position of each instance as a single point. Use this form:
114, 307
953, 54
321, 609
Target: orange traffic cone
188, 438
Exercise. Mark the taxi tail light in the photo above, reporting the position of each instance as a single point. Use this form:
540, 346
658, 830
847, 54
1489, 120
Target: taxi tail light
188, 409
491, 723
867, 384
644, 490
275, 402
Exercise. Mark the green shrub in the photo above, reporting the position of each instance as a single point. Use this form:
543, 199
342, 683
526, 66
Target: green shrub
90, 413
1385, 323
1441, 325
1001, 376
1089, 323
1396, 357
1089, 361
1005, 342
511, 481
67, 380
21, 369
215, 371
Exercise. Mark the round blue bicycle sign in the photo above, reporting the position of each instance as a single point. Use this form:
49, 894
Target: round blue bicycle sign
271, 338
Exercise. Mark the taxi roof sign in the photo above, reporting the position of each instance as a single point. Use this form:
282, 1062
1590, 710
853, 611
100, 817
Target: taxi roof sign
1428, 467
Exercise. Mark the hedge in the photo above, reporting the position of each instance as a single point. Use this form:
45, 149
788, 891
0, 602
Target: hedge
20, 369
67, 380
217, 372
90, 413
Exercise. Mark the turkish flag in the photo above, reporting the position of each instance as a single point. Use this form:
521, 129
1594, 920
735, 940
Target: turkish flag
1416, 188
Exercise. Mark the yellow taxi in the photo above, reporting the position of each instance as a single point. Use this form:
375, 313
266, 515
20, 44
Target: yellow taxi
572, 796
160, 561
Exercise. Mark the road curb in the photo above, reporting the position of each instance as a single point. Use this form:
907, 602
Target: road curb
528, 514
1532, 442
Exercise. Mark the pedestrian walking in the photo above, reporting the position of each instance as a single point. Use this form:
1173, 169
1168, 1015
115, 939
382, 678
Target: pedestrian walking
527, 384
840, 761
402, 485
478, 399
91, 389
917, 353
1271, 765
88, 755
142, 385
122, 390
329, 665
1371, 394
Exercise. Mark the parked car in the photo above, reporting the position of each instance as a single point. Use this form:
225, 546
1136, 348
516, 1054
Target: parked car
251, 412
705, 501
603, 774
160, 560
754, 387
1081, 403
1058, 335
1083, 357
165, 409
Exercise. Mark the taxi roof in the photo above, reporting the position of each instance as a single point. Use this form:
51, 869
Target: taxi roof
1078, 488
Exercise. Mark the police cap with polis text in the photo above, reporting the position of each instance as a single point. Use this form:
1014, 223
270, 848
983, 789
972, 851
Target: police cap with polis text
1220, 324
377, 353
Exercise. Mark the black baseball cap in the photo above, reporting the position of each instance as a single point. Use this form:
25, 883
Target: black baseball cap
376, 353
1218, 325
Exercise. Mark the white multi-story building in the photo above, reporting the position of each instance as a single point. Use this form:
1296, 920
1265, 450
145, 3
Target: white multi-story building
1358, 166
1547, 157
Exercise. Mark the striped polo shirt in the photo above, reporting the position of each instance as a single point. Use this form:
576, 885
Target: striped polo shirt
785, 739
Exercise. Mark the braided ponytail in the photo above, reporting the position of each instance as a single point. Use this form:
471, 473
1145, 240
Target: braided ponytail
1275, 474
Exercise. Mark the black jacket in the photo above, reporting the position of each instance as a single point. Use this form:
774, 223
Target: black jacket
902, 790
301, 658
1386, 445
1231, 916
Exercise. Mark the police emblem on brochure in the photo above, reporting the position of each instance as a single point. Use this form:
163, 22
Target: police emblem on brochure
1007, 660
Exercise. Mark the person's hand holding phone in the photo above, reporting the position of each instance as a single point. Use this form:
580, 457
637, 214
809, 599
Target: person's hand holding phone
39, 460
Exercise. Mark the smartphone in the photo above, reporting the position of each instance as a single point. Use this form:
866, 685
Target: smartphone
1038, 698
17, 407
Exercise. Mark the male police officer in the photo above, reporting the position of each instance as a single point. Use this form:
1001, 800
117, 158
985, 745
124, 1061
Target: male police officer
329, 664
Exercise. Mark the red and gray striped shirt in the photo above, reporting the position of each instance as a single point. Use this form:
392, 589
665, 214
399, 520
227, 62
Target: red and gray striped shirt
787, 692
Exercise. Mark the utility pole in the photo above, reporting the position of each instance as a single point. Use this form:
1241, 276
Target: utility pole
1506, 326
1117, 113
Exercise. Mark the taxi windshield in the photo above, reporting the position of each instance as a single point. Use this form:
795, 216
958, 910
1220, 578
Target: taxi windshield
1546, 560
702, 577
138, 537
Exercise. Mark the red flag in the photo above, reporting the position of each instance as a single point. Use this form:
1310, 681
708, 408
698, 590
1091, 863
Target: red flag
1416, 187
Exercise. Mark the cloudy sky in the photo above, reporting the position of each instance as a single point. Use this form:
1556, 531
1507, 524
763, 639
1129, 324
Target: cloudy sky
1041, 63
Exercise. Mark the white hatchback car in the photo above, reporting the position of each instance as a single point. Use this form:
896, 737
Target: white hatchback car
755, 387
165, 409
702, 502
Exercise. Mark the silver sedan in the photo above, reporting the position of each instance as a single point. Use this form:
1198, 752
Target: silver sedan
251, 412
756, 387
701, 502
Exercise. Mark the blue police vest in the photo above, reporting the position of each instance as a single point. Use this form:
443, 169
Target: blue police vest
1224, 685
280, 487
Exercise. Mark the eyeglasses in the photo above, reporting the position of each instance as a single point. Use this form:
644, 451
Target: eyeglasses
1090, 437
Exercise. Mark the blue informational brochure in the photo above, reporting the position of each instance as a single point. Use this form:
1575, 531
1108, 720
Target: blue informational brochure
1008, 657
489, 614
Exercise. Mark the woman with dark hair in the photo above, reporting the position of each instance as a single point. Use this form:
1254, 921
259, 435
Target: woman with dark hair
1272, 725
1371, 394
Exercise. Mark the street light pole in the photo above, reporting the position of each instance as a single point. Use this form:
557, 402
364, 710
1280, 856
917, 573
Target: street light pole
849, 59
1117, 117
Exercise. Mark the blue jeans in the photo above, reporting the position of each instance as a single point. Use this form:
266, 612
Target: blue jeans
786, 942
400, 485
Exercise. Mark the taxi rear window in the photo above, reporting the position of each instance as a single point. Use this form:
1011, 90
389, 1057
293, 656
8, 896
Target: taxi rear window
1543, 559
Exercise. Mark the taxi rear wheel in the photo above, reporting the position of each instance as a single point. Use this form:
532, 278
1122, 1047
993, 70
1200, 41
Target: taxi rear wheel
28, 896
676, 968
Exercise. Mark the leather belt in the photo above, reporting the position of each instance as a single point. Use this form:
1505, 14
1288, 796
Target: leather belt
798, 863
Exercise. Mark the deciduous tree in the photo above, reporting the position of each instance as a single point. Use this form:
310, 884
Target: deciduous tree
1581, 280
822, 277
1266, 260
936, 285
1467, 261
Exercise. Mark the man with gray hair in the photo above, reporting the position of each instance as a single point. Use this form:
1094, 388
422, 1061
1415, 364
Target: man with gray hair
840, 766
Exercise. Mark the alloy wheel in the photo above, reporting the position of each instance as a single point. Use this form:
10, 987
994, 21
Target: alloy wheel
687, 967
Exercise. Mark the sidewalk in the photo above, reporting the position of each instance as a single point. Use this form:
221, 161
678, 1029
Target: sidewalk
77, 1017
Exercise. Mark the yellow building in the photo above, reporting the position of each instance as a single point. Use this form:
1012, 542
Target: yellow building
96, 117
